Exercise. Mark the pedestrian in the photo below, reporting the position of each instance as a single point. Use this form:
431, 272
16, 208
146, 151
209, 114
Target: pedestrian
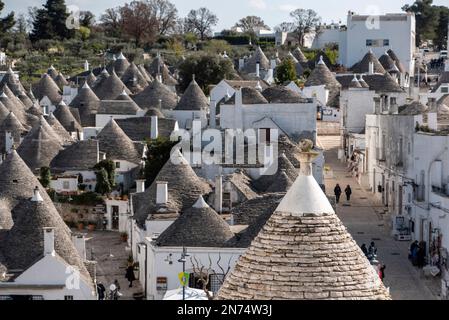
382, 272
105, 223
117, 284
337, 192
130, 274
372, 249
364, 249
348, 192
101, 291
421, 255
413, 247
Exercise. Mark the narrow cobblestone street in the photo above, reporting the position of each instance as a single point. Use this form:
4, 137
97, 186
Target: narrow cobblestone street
110, 252
365, 224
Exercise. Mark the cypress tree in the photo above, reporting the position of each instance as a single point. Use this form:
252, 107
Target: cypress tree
7, 22
50, 22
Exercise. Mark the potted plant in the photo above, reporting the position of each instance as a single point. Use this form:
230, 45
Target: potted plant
124, 236
91, 226
80, 225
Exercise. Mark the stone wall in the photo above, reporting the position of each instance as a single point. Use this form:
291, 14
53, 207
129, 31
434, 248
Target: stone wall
72, 214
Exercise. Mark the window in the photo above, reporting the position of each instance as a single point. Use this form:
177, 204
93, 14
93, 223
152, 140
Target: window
227, 202
369, 43
393, 101
386, 42
117, 165
444, 89
66, 185
68, 298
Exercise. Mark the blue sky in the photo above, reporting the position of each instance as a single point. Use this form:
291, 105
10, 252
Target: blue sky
229, 11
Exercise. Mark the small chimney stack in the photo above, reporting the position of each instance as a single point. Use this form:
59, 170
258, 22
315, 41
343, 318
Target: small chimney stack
154, 127
273, 64
371, 68
86, 65
258, 70
37, 195
49, 242
140, 183
241, 64
162, 192
219, 193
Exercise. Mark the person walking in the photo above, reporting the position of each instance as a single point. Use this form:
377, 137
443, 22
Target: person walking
130, 274
105, 223
382, 268
348, 192
337, 192
372, 249
101, 291
364, 249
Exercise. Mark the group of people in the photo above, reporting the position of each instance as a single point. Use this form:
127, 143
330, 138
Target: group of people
371, 254
113, 294
417, 254
338, 192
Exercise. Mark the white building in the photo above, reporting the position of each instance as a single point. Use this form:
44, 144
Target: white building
379, 33
2, 58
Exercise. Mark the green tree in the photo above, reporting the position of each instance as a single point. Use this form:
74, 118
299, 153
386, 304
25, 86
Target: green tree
50, 22
45, 177
201, 21
157, 156
109, 167
286, 71
7, 22
84, 33
209, 69
103, 186
217, 46
427, 19
440, 39
251, 24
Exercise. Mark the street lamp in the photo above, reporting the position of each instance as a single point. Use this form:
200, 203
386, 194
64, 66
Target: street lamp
183, 260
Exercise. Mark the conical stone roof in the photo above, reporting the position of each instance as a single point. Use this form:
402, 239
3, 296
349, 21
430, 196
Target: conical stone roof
396, 59
52, 72
321, 75
363, 65
133, 79
47, 87
102, 76
4, 112
110, 88
13, 106
13, 83
23, 97
355, 83
388, 63
145, 73
181, 196
150, 96
40, 146
264, 183
35, 110
66, 118
282, 183
120, 65
87, 103
193, 99
90, 80
199, 226
117, 145
64, 137
258, 57
61, 81
304, 252
299, 55
25, 219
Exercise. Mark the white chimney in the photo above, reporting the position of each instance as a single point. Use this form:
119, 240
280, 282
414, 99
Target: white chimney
258, 70
86, 65
154, 127
239, 109
49, 241
79, 241
162, 192
241, 64
140, 185
159, 77
219, 193
432, 121
160, 104
371, 68
213, 114
37, 196
273, 64
9, 141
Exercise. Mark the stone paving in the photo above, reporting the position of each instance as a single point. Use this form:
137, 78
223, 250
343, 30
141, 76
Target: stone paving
112, 257
365, 224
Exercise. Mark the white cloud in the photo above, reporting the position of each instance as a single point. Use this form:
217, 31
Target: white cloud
288, 7
258, 4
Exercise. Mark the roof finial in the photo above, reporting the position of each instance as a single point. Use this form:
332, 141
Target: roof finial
258, 86
200, 203
321, 60
36, 195
306, 157
193, 77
